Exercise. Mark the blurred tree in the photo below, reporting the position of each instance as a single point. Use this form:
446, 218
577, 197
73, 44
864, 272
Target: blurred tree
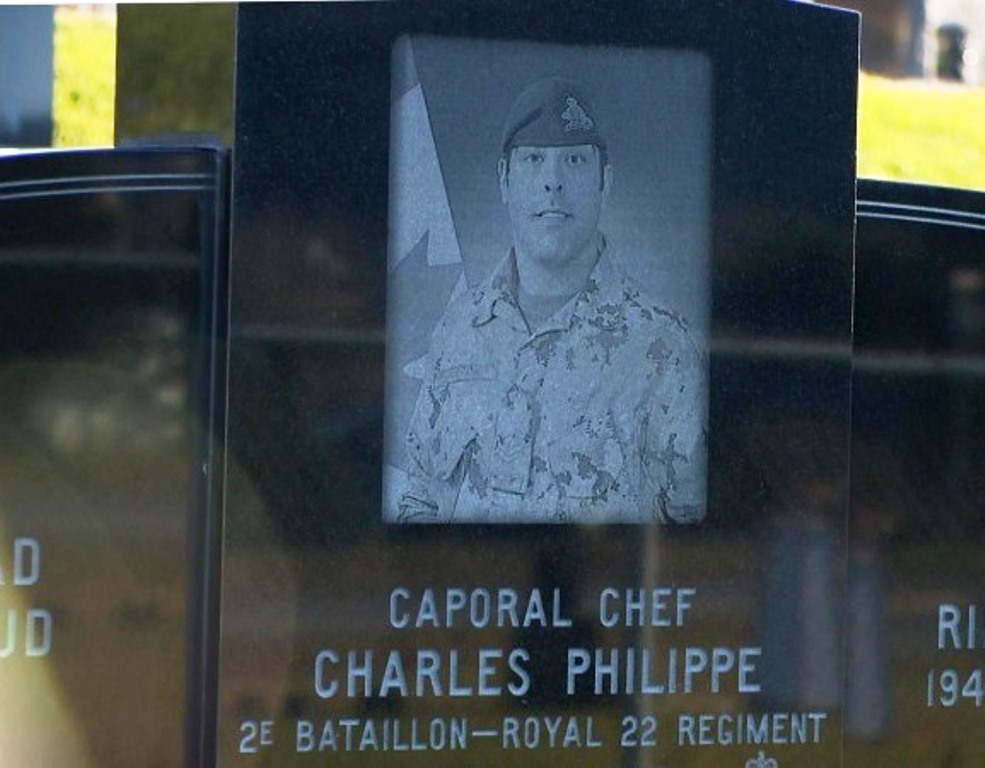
175, 70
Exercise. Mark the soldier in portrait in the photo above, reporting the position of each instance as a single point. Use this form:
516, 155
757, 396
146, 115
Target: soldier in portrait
555, 391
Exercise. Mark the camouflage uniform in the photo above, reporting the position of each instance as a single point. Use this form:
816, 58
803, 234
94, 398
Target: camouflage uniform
596, 417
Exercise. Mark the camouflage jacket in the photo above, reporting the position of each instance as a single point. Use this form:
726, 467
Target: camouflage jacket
598, 416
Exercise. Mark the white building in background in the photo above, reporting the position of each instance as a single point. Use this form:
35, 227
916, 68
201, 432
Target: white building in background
26, 64
922, 38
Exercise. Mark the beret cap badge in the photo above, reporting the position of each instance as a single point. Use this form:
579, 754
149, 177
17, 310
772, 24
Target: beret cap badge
553, 112
575, 118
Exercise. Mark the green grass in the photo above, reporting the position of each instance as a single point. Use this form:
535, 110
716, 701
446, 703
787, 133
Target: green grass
922, 131
85, 78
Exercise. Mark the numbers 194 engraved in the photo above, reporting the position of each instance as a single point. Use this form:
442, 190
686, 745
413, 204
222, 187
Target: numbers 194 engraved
952, 688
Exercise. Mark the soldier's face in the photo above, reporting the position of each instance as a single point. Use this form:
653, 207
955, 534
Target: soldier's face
554, 197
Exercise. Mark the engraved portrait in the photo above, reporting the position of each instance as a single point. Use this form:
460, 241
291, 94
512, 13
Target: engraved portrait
547, 292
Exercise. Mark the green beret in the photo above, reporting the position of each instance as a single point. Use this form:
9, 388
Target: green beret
553, 112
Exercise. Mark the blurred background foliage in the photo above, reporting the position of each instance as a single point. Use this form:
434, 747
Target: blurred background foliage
175, 74
919, 130
85, 76
175, 70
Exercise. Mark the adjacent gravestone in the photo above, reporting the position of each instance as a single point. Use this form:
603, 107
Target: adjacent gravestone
111, 275
914, 685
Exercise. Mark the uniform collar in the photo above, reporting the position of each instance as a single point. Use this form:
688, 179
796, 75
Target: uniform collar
596, 302
497, 295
